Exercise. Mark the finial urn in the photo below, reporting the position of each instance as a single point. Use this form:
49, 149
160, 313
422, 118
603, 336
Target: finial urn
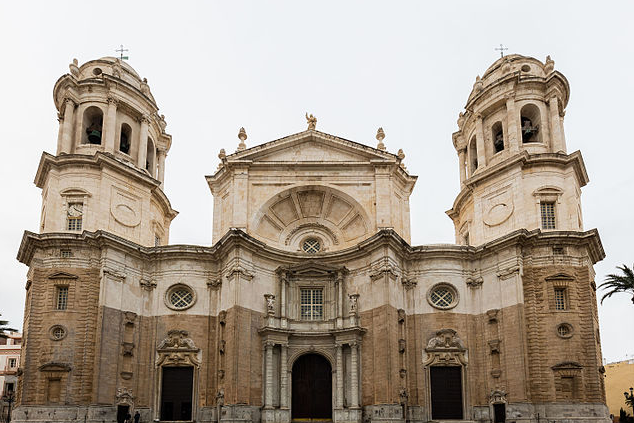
380, 135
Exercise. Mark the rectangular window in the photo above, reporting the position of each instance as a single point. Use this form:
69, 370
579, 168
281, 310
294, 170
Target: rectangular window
157, 240
560, 298
65, 253
548, 215
312, 304
75, 213
12, 363
61, 299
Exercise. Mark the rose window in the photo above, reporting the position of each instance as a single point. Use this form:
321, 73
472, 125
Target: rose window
180, 297
311, 246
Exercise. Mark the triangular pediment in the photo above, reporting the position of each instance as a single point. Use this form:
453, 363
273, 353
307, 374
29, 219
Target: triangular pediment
311, 268
311, 147
62, 275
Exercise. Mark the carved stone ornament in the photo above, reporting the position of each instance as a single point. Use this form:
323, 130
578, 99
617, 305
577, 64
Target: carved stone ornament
311, 121
445, 349
354, 304
147, 284
497, 396
74, 68
401, 346
113, 275
568, 369
222, 317
493, 315
177, 350
238, 271
128, 349
494, 346
129, 317
508, 272
381, 270
270, 304
214, 283
409, 283
402, 373
124, 396
474, 283
401, 315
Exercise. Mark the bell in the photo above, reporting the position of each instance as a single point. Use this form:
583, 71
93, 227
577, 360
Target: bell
94, 137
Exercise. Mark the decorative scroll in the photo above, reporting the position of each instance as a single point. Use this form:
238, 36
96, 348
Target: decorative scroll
177, 350
445, 349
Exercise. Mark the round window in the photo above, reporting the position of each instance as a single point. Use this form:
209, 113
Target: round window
564, 330
180, 297
443, 296
311, 245
57, 333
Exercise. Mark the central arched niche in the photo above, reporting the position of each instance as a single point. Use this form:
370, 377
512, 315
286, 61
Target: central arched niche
331, 216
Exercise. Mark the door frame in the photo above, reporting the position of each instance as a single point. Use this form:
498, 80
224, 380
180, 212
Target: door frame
333, 377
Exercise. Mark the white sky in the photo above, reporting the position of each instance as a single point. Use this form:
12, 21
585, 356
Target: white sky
357, 65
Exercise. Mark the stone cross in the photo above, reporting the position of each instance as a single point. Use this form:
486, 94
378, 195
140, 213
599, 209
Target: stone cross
501, 48
120, 50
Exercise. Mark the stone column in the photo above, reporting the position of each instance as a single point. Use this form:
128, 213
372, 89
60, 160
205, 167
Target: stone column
339, 397
143, 134
161, 166
283, 377
66, 143
482, 158
513, 124
283, 295
110, 128
354, 375
268, 389
557, 132
461, 160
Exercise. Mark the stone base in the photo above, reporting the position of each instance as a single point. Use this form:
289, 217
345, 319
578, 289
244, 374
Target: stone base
276, 415
239, 413
383, 413
347, 415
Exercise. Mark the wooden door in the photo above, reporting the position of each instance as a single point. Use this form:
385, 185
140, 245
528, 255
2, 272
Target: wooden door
176, 393
446, 392
312, 388
499, 412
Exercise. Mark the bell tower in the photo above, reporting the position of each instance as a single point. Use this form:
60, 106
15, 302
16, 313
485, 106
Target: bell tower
515, 172
109, 168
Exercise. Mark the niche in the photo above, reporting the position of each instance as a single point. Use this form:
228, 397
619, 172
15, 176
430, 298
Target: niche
530, 120
92, 124
124, 139
497, 133
473, 155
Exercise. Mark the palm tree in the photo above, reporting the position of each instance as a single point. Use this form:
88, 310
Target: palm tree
619, 283
3, 328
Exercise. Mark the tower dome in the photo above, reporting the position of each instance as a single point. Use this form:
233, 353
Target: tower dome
109, 168
510, 140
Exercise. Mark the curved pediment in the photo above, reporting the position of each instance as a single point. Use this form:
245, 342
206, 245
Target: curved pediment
321, 212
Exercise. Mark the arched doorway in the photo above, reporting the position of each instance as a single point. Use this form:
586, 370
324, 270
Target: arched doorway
312, 388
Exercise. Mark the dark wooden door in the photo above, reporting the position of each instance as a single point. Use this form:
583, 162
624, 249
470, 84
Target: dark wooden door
446, 392
122, 412
176, 393
499, 411
312, 388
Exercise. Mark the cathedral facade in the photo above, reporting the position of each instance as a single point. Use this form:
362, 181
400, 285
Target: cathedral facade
311, 303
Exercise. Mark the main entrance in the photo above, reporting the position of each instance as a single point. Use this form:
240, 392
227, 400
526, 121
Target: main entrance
312, 388
176, 393
446, 392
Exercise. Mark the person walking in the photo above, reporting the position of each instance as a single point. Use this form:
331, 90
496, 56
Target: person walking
137, 417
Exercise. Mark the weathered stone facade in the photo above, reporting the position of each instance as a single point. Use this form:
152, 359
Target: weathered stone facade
312, 258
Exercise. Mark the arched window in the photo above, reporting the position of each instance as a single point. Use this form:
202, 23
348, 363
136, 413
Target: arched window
149, 160
497, 133
92, 124
530, 121
124, 140
473, 155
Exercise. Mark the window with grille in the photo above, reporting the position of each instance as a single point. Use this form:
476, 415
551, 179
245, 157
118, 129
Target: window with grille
311, 246
180, 297
12, 363
61, 299
75, 214
548, 215
65, 253
312, 304
443, 296
157, 240
560, 298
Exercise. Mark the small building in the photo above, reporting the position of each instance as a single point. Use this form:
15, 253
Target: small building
9, 362
619, 377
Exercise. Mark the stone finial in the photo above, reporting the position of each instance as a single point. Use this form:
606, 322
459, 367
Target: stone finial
222, 154
242, 135
549, 66
74, 68
380, 135
312, 121
400, 154
145, 88
478, 84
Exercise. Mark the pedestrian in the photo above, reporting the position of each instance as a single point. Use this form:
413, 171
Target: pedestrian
137, 417
128, 418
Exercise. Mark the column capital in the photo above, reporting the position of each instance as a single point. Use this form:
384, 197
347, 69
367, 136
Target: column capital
112, 100
144, 119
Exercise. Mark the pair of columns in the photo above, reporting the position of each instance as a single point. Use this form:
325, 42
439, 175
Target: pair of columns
354, 375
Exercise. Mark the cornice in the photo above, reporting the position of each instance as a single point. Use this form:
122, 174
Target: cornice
525, 160
101, 160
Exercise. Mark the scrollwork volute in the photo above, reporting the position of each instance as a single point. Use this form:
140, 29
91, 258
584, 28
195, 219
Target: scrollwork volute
177, 350
445, 349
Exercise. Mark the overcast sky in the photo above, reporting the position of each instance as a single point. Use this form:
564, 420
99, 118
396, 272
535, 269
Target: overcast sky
406, 66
